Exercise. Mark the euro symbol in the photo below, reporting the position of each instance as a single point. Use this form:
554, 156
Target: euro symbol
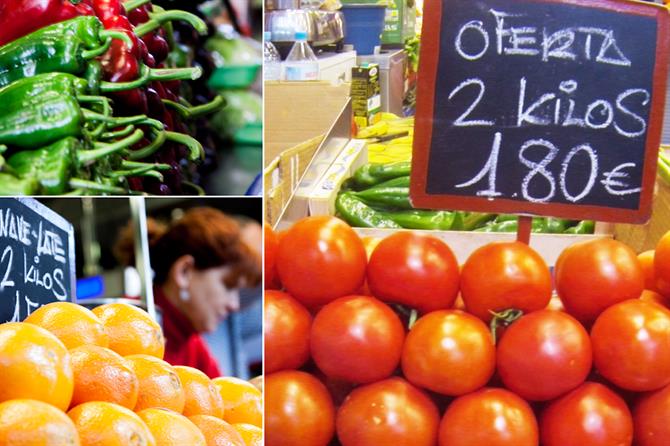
614, 183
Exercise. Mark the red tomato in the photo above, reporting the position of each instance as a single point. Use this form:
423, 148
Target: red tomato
298, 410
504, 275
287, 325
449, 352
544, 354
646, 260
651, 416
390, 412
320, 259
414, 270
653, 296
597, 274
357, 339
491, 417
269, 260
662, 258
631, 345
590, 415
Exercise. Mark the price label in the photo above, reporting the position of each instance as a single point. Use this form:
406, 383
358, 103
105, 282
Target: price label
545, 107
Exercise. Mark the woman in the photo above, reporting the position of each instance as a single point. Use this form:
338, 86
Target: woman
199, 262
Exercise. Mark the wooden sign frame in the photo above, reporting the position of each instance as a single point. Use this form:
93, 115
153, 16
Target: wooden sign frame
427, 80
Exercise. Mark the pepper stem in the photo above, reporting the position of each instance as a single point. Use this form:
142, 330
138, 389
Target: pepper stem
198, 190
92, 54
195, 148
90, 115
193, 112
101, 150
158, 19
119, 133
139, 172
134, 4
86, 185
115, 34
144, 152
152, 74
503, 319
126, 164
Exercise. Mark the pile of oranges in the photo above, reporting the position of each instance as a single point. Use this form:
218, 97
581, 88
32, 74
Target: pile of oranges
70, 376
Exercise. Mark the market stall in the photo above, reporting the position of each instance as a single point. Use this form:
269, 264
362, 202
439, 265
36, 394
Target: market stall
91, 344
121, 98
492, 268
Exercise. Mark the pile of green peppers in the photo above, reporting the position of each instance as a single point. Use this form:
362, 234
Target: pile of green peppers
377, 196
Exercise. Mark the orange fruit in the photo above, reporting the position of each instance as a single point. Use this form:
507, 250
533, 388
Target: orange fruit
34, 364
202, 397
252, 435
172, 429
73, 324
131, 330
108, 424
242, 402
217, 432
102, 375
32, 422
159, 384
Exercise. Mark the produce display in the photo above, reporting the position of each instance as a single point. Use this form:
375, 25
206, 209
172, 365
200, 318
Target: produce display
376, 342
94, 101
377, 196
72, 376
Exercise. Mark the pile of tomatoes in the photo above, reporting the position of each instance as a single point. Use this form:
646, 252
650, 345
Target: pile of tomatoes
391, 342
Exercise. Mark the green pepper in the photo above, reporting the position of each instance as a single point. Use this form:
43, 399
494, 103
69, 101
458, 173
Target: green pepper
396, 182
458, 222
390, 197
538, 225
506, 217
583, 227
372, 174
476, 220
556, 225
422, 219
357, 213
13, 186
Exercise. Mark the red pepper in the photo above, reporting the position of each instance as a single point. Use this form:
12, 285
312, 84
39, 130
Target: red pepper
120, 65
107, 9
21, 17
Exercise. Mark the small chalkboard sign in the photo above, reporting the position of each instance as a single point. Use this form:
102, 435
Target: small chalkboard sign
546, 107
36, 258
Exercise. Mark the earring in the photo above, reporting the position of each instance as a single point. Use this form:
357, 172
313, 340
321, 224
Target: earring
184, 295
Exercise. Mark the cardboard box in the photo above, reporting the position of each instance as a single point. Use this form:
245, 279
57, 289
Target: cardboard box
366, 97
296, 112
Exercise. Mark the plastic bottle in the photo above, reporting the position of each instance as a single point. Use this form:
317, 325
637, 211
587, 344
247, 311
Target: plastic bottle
301, 64
271, 59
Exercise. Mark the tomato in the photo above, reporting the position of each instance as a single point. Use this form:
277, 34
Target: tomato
287, 324
662, 259
504, 275
449, 352
543, 355
631, 345
597, 274
320, 259
415, 270
590, 415
298, 410
269, 260
357, 339
646, 260
653, 296
387, 412
650, 416
491, 417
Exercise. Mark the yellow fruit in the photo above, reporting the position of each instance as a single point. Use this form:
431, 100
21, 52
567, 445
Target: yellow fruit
252, 435
108, 424
102, 375
172, 429
131, 330
242, 402
34, 364
202, 398
34, 423
217, 432
159, 384
73, 324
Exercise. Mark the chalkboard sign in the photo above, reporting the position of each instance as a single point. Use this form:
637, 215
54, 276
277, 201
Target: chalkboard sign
540, 107
36, 258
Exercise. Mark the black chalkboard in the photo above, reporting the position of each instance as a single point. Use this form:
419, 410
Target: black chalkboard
540, 107
36, 258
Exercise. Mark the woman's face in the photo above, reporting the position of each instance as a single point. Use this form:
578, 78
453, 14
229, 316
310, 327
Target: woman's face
210, 300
